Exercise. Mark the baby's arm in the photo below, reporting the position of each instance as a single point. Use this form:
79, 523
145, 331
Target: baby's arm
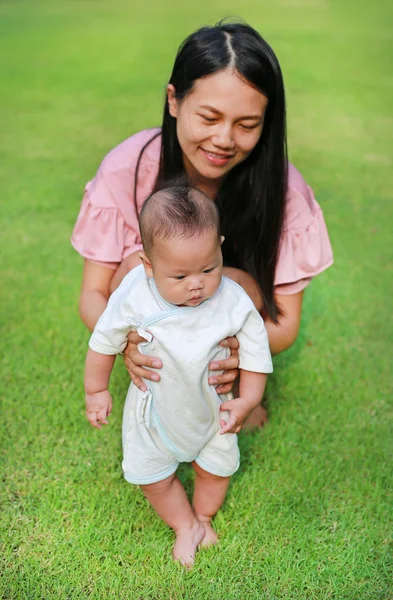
251, 389
108, 339
98, 368
254, 362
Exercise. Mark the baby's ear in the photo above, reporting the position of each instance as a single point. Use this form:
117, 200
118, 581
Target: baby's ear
146, 263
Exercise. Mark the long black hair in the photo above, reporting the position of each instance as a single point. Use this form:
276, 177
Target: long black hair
251, 200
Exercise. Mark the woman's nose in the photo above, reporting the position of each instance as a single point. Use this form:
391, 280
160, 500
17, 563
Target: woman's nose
223, 137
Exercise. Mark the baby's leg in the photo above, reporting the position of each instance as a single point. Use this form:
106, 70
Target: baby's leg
170, 501
209, 495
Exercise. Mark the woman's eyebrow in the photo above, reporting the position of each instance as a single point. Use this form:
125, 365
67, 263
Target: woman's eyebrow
244, 118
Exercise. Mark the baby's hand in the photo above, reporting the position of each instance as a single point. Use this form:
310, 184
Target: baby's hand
239, 411
98, 408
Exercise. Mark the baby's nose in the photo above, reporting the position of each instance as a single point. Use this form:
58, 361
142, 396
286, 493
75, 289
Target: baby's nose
196, 283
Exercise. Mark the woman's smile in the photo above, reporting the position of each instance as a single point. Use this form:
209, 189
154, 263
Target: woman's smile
218, 160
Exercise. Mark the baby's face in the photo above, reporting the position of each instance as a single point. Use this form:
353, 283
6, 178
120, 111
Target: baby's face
188, 271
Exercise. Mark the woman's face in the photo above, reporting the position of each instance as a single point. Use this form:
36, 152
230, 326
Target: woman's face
218, 124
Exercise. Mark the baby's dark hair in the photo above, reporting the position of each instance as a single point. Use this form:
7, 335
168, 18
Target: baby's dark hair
176, 209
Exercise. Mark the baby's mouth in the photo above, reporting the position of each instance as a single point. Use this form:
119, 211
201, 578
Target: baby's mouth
195, 298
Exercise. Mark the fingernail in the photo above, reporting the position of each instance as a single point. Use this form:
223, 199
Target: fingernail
224, 343
214, 366
213, 381
156, 364
155, 377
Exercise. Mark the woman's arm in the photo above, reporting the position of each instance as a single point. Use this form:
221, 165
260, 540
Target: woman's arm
126, 266
94, 293
281, 335
98, 284
284, 333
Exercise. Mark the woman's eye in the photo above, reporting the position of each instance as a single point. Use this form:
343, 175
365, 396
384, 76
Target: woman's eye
248, 127
208, 119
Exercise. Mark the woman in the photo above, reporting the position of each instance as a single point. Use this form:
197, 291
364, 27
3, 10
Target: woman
224, 126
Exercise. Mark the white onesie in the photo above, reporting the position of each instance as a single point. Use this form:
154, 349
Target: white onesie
177, 419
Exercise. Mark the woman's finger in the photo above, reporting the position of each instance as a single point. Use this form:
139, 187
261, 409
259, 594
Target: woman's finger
224, 389
143, 361
134, 338
227, 377
226, 364
145, 374
235, 352
230, 342
140, 384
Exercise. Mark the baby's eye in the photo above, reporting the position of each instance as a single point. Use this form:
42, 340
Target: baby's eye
209, 270
180, 277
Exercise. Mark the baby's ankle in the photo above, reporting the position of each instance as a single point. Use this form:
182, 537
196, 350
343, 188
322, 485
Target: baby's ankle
188, 526
187, 543
210, 538
205, 519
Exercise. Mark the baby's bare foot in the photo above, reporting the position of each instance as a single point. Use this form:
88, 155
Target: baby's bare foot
211, 537
257, 418
187, 542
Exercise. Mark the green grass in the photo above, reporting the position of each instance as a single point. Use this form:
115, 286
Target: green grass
309, 514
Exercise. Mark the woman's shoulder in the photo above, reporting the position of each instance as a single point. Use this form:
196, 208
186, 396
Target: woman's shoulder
126, 154
301, 205
114, 183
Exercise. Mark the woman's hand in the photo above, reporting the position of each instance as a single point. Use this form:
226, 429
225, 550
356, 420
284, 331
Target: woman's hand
136, 362
230, 366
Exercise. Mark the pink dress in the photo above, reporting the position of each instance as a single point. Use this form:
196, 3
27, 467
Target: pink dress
107, 228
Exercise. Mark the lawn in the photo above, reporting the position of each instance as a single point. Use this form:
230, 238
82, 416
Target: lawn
310, 514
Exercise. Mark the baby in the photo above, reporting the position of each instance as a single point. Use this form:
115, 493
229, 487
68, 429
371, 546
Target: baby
178, 301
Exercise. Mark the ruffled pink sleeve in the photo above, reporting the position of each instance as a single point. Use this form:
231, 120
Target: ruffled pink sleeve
107, 228
305, 247
101, 234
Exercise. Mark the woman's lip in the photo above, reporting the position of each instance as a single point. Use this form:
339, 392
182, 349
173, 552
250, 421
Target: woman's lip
217, 159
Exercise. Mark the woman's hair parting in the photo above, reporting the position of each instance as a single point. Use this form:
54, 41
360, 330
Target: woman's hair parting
176, 209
